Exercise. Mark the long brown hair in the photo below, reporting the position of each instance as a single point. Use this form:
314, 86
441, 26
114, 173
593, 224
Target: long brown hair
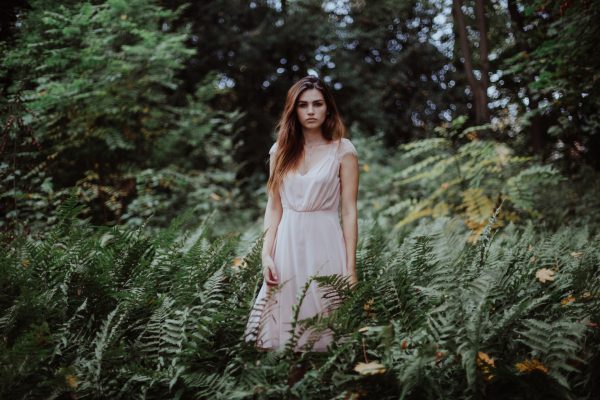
290, 140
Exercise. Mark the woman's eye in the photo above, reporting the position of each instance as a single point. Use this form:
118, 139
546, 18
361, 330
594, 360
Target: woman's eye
304, 105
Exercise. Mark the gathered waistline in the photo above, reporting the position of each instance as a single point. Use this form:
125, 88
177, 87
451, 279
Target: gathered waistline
329, 210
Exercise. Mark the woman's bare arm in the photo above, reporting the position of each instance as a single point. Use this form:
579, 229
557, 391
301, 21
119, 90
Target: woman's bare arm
349, 194
273, 213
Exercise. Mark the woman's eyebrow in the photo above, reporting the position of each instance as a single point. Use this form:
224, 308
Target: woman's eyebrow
314, 101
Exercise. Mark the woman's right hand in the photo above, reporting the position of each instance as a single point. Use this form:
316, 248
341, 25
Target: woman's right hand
269, 271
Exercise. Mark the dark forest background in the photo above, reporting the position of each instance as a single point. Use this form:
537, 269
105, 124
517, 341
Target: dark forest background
154, 107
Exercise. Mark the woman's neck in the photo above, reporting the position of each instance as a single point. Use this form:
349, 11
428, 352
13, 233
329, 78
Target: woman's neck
312, 137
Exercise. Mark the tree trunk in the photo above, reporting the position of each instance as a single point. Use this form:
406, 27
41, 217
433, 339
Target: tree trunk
477, 87
483, 56
517, 25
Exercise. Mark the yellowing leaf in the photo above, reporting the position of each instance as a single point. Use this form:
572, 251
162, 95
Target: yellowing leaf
441, 209
472, 136
366, 167
439, 356
476, 230
71, 381
476, 204
531, 365
567, 300
483, 358
368, 305
586, 295
544, 275
239, 262
371, 368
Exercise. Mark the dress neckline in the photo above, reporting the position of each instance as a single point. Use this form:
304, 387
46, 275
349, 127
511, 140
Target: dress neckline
329, 153
318, 145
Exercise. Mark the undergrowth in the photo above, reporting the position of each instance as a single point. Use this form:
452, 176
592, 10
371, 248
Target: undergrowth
93, 312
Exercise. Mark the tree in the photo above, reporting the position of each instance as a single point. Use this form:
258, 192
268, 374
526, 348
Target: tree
479, 86
549, 71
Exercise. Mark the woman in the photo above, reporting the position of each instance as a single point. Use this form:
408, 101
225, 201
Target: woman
313, 170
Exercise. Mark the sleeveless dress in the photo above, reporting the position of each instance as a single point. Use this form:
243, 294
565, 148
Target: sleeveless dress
309, 241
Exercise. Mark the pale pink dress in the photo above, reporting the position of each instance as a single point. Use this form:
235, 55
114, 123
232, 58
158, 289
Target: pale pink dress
309, 241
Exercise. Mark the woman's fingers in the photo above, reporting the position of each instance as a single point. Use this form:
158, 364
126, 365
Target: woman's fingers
274, 274
272, 279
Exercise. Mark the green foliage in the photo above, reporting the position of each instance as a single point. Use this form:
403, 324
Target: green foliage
114, 312
455, 174
555, 64
86, 60
88, 112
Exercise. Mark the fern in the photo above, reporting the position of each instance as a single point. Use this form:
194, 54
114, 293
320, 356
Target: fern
556, 344
116, 313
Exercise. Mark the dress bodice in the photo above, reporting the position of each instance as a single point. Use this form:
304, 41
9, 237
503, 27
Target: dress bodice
319, 188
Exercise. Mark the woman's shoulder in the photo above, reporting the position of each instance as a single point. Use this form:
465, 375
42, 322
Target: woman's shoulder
346, 147
273, 148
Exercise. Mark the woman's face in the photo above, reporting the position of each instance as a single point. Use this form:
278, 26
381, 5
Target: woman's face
311, 108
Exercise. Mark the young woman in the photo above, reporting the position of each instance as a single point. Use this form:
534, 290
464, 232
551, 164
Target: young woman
313, 171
